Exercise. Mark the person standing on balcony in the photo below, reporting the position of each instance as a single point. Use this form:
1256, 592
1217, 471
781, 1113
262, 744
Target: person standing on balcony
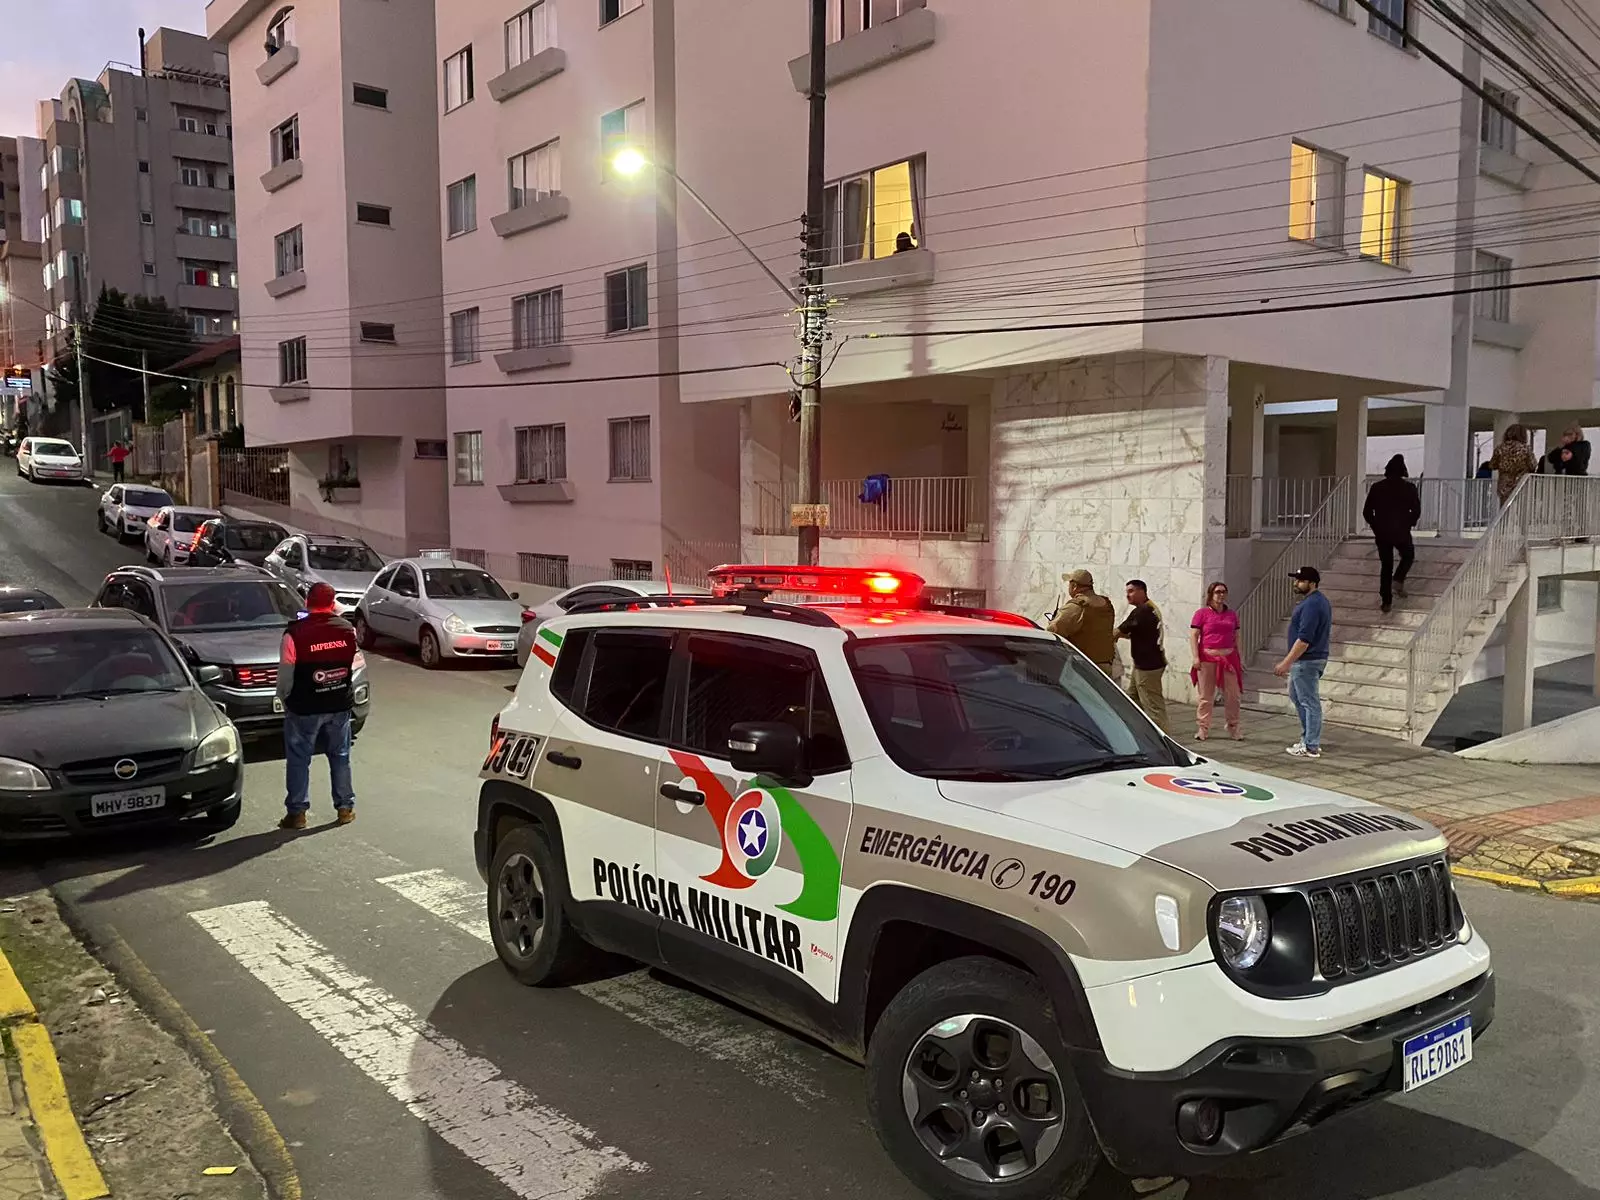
1393, 510
1512, 459
1310, 632
1087, 620
1214, 644
1142, 628
1571, 457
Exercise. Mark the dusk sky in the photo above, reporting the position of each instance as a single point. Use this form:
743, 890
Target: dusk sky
48, 42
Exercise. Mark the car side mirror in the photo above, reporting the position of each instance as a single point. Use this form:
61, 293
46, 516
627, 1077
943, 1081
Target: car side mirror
769, 748
189, 653
209, 674
516, 595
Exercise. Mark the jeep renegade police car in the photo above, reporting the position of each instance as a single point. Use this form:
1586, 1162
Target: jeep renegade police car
944, 843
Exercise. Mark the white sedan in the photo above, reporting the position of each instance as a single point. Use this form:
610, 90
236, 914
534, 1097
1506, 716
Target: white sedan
599, 592
40, 458
169, 534
126, 507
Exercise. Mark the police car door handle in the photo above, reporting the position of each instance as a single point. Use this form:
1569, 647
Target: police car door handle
570, 761
682, 795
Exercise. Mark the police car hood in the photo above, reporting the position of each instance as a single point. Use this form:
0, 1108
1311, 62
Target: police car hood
1233, 829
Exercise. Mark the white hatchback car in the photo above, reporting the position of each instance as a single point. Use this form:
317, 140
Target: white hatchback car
125, 508
39, 459
170, 533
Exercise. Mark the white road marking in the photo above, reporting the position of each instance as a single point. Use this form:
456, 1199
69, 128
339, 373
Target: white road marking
537, 1152
773, 1059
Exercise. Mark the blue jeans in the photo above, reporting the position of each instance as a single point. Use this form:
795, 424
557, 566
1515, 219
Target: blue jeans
1305, 682
303, 736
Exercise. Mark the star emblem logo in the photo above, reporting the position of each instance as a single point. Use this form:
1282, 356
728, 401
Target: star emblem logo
753, 833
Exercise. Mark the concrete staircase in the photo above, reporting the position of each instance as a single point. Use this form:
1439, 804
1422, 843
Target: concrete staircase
1365, 683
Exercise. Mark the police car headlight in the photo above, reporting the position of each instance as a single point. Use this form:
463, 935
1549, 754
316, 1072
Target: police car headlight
18, 776
220, 745
454, 625
1243, 931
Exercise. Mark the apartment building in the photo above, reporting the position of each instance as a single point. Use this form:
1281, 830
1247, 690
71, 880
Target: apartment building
138, 186
22, 299
342, 355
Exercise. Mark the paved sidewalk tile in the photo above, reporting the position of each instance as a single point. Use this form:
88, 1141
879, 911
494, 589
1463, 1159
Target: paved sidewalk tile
20, 1160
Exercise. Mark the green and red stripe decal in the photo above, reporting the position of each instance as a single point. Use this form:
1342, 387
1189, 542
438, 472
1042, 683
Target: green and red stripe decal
546, 646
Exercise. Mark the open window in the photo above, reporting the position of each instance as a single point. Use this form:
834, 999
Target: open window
876, 214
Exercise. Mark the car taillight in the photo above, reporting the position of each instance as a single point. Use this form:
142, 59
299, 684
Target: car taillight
528, 616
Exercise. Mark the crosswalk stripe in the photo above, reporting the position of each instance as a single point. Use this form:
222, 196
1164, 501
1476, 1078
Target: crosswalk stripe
771, 1058
537, 1152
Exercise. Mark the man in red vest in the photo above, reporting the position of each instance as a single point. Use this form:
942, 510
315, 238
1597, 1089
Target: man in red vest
315, 667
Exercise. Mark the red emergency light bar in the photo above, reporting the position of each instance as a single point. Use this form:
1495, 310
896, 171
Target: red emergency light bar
867, 585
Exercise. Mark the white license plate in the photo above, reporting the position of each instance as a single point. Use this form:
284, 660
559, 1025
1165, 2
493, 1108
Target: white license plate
1434, 1054
502, 645
116, 804
277, 705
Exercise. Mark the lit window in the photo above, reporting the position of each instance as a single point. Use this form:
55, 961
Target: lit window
1493, 271
1496, 128
535, 175
286, 141
464, 336
292, 361
622, 128
1384, 204
68, 212
463, 197
628, 299
852, 16
289, 252
1316, 196
610, 10
541, 453
1390, 20
874, 215
630, 449
536, 319
469, 457
532, 31
458, 79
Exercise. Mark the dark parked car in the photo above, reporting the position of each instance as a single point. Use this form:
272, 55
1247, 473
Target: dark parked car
231, 618
223, 541
21, 599
103, 728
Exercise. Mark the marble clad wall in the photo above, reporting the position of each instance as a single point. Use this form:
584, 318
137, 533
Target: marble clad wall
1118, 465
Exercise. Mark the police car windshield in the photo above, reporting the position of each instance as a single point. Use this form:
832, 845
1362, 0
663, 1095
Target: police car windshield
343, 556
233, 604
454, 583
62, 664
994, 708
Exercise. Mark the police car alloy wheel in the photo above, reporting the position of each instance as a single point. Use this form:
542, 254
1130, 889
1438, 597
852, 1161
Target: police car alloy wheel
527, 910
971, 1091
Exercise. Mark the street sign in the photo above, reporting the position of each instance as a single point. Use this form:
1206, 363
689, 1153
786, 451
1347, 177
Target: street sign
802, 515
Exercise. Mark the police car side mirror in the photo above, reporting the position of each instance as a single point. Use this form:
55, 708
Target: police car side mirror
769, 748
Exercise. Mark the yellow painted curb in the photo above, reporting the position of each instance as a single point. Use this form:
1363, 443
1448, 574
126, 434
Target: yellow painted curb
75, 1170
14, 1002
1498, 877
1589, 885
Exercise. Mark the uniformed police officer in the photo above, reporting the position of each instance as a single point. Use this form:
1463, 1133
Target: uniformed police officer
317, 660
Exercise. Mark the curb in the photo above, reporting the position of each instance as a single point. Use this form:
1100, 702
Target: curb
76, 1172
1586, 886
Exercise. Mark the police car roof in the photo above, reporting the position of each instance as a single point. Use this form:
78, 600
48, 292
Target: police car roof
854, 620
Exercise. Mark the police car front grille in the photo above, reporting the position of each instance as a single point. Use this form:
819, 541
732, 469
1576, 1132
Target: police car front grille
1372, 922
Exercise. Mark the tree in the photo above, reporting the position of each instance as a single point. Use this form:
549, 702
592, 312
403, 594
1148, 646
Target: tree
118, 330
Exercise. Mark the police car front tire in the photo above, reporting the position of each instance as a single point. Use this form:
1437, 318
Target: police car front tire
971, 1091
528, 910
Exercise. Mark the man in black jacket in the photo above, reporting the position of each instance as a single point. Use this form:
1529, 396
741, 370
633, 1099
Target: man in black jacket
315, 668
1393, 510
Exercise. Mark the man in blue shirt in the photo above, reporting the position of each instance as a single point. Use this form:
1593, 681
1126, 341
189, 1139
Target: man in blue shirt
1310, 630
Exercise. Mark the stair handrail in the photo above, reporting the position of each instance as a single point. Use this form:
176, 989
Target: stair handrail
1504, 543
1272, 600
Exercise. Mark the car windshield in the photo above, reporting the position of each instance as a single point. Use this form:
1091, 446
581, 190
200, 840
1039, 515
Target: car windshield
16, 602
343, 556
455, 583
58, 664
55, 449
145, 498
999, 708
251, 538
228, 604
183, 522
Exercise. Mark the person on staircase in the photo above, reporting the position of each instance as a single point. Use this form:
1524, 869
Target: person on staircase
1214, 646
1512, 459
1392, 511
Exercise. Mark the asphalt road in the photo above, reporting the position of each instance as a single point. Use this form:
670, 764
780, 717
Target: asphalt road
344, 973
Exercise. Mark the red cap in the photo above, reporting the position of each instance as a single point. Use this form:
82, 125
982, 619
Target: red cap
320, 598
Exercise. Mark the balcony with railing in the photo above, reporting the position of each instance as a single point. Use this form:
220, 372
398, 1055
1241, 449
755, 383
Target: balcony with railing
1283, 505
948, 507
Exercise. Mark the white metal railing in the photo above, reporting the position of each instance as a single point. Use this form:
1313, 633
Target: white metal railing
1543, 510
1272, 600
1257, 503
933, 506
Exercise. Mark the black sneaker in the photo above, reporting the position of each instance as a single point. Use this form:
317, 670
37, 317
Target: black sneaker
1386, 606
1400, 589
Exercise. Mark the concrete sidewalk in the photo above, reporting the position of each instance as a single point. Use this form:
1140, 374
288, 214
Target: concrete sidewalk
1537, 826
22, 1170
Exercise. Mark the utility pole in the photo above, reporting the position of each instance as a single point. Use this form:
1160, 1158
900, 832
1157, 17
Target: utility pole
144, 378
83, 397
814, 313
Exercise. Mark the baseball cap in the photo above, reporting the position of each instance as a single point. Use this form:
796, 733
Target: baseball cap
1306, 575
320, 598
1080, 577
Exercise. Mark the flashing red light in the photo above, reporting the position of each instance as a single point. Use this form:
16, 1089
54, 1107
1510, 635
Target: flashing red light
865, 584
529, 615
494, 731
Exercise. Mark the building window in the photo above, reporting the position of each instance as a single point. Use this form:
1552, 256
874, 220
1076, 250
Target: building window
372, 214
536, 319
874, 215
630, 449
370, 97
68, 212
852, 16
464, 336
149, 268
610, 10
621, 128
292, 361
532, 31
632, 568
1493, 272
206, 225
1385, 204
141, 114
628, 299
342, 462
1396, 28
286, 141
147, 218
280, 31
209, 274
1316, 196
469, 457
189, 124
541, 453
535, 174
194, 175
1549, 593
64, 158
289, 252
1495, 128
463, 195
144, 167
377, 331
545, 570
458, 79
432, 448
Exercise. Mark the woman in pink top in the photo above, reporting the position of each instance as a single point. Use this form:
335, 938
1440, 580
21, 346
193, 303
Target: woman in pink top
1214, 641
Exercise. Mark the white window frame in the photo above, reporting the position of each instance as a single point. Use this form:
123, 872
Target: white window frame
838, 192
467, 458
621, 128
378, 331
457, 89
1496, 130
628, 449
848, 17
541, 446
531, 32
1325, 175
1394, 229
286, 137
534, 175
355, 97
464, 336
636, 281
537, 319
293, 366
461, 206
373, 210
1493, 271
189, 124
289, 251
1398, 11
280, 33
615, 10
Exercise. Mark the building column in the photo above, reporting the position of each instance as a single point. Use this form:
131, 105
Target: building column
1516, 704
1446, 457
1502, 422
1247, 444
1597, 646
1350, 450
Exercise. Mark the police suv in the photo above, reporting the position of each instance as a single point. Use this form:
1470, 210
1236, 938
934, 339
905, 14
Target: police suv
944, 843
